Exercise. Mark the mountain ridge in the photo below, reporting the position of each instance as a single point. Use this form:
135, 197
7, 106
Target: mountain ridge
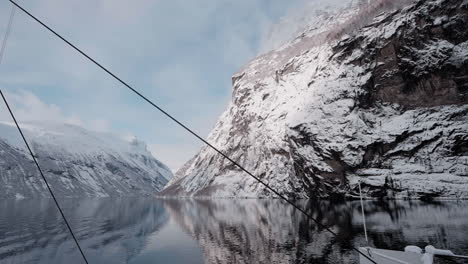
76, 162
386, 105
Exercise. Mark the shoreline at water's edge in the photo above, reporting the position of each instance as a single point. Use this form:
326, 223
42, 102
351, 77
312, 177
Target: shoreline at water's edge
186, 197
350, 198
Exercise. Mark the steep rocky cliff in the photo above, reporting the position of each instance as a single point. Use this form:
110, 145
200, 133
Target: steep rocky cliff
383, 100
76, 163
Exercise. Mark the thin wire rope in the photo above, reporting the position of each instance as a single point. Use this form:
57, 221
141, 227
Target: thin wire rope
362, 212
7, 33
185, 127
2, 52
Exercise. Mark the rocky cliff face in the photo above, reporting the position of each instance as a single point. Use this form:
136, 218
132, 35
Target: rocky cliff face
76, 163
385, 104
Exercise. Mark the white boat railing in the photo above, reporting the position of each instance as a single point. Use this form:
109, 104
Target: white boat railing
411, 255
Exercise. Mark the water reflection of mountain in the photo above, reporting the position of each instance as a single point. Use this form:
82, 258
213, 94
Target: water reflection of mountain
265, 231
110, 230
228, 231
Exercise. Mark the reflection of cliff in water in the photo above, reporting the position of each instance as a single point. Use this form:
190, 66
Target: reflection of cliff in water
265, 231
109, 230
260, 231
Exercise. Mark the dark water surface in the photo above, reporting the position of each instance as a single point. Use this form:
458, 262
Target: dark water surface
149, 230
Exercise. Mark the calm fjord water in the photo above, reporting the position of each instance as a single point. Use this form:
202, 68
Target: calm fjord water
148, 230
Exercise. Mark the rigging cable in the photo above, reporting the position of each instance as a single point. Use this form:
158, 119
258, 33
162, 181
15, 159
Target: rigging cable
2, 52
186, 128
363, 214
7, 32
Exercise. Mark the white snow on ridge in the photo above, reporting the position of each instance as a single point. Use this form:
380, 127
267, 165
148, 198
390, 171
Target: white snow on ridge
68, 137
80, 162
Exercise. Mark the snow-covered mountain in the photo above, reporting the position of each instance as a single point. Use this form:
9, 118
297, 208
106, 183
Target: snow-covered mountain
76, 162
370, 93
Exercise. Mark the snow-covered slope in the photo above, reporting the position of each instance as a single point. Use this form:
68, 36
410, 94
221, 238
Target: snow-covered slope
76, 162
386, 104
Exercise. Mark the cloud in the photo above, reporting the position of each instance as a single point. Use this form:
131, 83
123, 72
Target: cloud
297, 19
27, 107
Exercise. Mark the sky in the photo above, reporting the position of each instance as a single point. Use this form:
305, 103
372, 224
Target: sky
180, 54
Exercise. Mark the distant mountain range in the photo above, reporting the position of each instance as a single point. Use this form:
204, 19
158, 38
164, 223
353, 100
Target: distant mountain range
76, 162
375, 93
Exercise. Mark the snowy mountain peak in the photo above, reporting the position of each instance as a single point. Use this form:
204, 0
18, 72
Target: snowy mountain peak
77, 162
